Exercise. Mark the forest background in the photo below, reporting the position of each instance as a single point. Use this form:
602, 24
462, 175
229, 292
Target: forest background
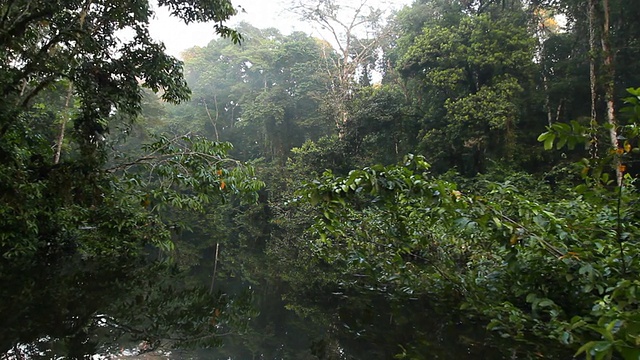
419, 215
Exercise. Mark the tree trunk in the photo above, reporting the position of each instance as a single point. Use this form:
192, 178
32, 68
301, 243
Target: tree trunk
547, 99
342, 28
63, 125
592, 77
215, 269
214, 122
608, 83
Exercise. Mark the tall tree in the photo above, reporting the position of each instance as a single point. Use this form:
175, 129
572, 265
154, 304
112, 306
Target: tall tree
77, 226
266, 96
611, 70
608, 80
467, 79
357, 32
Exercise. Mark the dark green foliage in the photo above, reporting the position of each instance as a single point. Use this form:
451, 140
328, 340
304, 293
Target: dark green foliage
534, 272
468, 79
509, 258
84, 237
137, 224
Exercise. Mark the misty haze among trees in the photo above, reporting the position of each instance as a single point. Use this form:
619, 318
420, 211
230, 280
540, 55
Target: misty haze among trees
454, 180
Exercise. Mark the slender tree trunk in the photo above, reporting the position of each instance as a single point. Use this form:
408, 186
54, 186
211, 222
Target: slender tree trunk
559, 111
213, 121
215, 268
609, 77
24, 87
63, 125
547, 99
233, 118
215, 102
592, 76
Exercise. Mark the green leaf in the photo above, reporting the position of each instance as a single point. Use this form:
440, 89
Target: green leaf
545, 303
542, 137
548, 142
561, 142
601, 346
585, 348
629, 353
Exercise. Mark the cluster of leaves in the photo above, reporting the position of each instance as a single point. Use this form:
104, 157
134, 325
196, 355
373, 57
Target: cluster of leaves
266, 96
534, 267
187, 172
469, 74
85, 233
537, 271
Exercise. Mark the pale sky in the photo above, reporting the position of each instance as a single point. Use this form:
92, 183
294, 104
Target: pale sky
178, 37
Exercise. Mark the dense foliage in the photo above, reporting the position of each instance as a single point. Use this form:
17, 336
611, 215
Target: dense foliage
84, 239
456, 181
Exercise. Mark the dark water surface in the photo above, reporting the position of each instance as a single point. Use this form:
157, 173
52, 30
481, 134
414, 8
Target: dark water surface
352, 326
